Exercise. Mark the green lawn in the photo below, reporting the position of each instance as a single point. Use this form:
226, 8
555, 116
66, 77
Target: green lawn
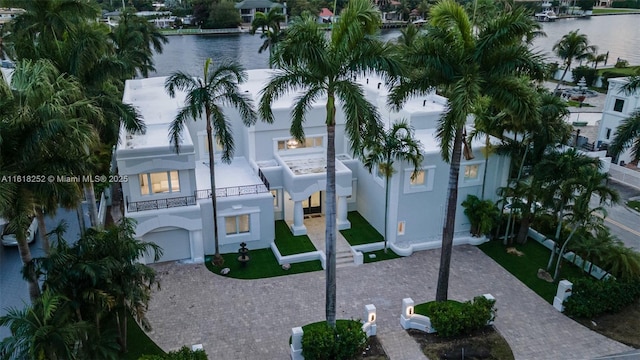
262, 265
361, 231
139, 343
631, 70
613, 11
425, 308
318, 324
525, 268
288, 244
634, 204
380, 255
577, 104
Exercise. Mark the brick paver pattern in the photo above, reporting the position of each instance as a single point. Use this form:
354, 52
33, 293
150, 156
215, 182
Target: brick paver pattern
252, 319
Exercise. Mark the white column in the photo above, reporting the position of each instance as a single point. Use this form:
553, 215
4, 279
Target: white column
342, 221
298, 227
197, 246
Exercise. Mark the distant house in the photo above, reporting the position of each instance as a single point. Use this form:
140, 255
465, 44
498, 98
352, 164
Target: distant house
618, 106
325, 16
249, 8
8, 14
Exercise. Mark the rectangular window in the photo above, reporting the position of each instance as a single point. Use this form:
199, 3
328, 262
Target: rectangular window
471, 172
618, 105
159, 182
608, 135
237, 224
400, 227
218, 148
309, 142
418, 179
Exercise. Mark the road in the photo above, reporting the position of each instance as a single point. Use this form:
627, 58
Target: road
13, 289
623, 222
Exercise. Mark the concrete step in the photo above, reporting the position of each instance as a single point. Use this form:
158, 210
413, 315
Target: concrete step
344, 259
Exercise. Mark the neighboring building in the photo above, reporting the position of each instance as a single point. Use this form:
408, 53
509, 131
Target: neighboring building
276, 177
618, 106
249, 8
325, 16
8, 14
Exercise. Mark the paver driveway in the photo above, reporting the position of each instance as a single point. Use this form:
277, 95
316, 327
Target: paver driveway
252, 319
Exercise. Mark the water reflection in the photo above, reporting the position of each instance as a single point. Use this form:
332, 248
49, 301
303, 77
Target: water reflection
617, 34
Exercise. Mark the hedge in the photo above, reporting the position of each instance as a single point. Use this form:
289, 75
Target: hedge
591, 297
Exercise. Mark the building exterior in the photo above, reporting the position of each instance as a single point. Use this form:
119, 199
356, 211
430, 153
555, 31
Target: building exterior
249, 8
8, 14
618, 106
275, 177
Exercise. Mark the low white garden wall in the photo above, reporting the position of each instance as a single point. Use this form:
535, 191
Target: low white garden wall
596, 271
410, 320
409, 249
298, 258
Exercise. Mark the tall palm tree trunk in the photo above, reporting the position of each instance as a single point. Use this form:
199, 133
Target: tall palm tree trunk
42, 229
25, 256
330, 215
90, 194
487, 143
450, 219
386, 208
217, 258
564, 73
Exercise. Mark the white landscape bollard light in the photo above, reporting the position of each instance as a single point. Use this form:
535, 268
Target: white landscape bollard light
564, 291
296, 343
371, 317
407, 312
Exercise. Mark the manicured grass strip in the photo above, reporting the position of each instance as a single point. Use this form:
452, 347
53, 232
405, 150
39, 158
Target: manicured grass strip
631, 70
380, 255
262, 265
139, 343
361, 231
634, 204
288, 244
612, 11
525, 267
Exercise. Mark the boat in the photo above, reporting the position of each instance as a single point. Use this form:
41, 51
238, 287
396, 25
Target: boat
546, 16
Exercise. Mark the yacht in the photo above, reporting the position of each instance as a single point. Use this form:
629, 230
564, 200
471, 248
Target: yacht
546, 16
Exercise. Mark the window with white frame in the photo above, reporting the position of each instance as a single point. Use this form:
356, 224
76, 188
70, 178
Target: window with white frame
618, 105
159, 182
422, 181
417, 179
238, 224
309, 142
471, 172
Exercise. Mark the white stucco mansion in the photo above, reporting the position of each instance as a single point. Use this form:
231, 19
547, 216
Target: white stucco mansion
618, 106
274, 177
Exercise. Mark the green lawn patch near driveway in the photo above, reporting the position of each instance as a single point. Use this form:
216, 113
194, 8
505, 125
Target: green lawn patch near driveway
263, 264
361, 231
634, 204
525, 267
380, 255
138, 343
288, 244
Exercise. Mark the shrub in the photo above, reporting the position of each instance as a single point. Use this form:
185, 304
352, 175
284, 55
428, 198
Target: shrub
591, 297
589, 74
621, 63
482, 214
183, 354
321, 342
453, 319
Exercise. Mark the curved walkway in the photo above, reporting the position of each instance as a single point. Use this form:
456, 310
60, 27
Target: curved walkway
252, 319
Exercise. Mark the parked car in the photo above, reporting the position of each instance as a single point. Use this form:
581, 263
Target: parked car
8, 239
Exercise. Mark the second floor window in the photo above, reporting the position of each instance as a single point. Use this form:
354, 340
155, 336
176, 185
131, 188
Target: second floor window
619, 104
159, 182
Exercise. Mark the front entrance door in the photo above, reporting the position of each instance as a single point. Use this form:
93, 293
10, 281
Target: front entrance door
313, 205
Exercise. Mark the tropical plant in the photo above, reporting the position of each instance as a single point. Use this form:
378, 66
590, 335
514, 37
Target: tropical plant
206, 96
482, 214
596, 58
44, 132
395, 144
465, 65
269, 25
318, 65
572, 46
42, 330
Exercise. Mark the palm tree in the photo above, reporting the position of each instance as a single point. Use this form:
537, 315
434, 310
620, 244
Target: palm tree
318, 65
465, 66
217, 88
596, 59
42, 134
41, 331
572, 46
395, 144
269, 24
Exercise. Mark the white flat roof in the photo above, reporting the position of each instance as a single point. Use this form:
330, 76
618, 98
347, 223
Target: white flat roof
157, 109
309, 163
431, 144
238, 173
